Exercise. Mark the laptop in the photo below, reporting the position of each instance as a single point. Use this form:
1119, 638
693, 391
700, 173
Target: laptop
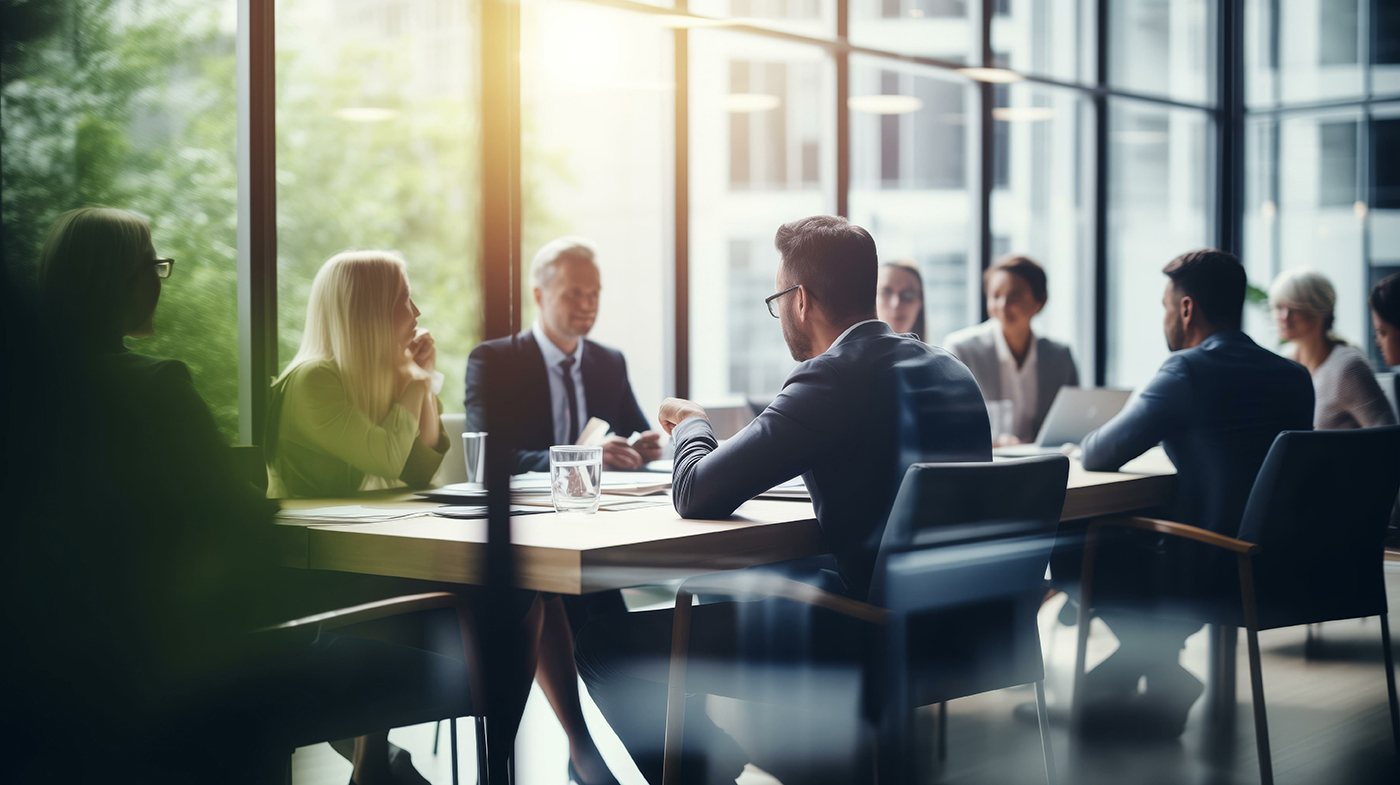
1074, 414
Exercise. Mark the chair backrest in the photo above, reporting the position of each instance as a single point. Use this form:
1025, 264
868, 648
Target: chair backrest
1320, 507
453, 469
248, 462
962, 565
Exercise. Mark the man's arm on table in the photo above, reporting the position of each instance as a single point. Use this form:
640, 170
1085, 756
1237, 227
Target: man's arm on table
710, 481
484, 367
1156, 413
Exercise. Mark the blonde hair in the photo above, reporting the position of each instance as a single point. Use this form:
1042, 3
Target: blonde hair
88, 270
547, 259
1308, 291
350, 322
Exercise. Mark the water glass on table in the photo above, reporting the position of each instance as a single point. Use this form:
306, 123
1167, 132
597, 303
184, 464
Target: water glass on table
474, 455
576, 477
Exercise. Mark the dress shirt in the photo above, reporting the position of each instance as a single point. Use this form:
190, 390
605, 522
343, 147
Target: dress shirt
1018, 385
558, 402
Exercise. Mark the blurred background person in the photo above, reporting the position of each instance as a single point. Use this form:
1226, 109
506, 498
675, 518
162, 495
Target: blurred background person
1347, 393
899, 298
1385, 317
1009, 361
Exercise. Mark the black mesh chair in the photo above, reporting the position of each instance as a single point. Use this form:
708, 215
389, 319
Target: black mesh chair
958, 581
1309, 549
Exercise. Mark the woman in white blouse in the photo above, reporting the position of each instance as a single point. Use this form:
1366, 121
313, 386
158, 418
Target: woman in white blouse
1009, 361
1347, 394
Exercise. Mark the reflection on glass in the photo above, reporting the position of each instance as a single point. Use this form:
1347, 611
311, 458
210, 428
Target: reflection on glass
943, 29
378, 147
1160, 205
910, 180
1163, 48
597, 106
761, 154
1041, 205
1046, 37
1305, 51
93, 114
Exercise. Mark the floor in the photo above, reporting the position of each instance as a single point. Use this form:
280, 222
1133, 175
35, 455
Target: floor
1328, 723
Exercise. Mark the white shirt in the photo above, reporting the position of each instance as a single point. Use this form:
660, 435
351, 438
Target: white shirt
847, 332
1018, 385
558, 402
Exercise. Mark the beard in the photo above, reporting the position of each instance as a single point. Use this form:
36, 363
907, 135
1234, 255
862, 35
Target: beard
1176, 337
799, 345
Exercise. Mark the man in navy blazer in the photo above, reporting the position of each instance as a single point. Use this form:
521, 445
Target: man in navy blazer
1216, 405
844, 421
557, 379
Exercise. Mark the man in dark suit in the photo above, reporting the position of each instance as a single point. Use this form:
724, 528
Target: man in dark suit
1216, 405
836, 423
557, 378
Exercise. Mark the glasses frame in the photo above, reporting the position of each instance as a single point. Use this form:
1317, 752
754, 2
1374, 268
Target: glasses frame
768, 301
166, 264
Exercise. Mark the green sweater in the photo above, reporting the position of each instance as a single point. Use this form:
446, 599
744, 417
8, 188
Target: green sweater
318, 444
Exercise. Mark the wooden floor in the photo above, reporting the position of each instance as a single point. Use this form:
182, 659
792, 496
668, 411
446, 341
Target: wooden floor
1328, 722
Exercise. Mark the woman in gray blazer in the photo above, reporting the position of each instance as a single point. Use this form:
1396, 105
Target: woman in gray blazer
1009, 361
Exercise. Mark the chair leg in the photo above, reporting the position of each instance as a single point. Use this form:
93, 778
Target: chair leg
483, 772
437, 731
452, 739
1043, 715
1256, 675
942, 731
1390, 681
675, 693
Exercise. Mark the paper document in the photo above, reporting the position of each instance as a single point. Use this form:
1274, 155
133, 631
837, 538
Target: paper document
794, 489
348, 514
594, 432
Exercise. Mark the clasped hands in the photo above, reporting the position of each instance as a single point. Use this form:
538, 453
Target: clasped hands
617, 454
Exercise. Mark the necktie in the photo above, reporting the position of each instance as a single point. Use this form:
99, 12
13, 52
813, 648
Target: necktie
571, 427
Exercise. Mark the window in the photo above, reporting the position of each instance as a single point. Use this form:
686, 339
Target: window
95, 113
1047, 37
1163, 47
1159, 206
1304, 51
597, 108
378, 147
761, 154
910, 158
942, 29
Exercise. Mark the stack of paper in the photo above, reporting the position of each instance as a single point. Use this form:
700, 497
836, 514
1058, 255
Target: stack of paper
793, 490
349, 514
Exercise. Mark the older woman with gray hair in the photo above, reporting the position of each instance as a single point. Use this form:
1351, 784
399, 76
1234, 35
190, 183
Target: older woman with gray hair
1347, 394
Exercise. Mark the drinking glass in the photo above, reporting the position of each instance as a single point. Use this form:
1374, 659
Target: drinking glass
576, 477
1000, 413
474, 455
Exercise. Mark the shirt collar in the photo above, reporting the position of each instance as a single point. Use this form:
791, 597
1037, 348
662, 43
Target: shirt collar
553, 355
848, 330
1004, 350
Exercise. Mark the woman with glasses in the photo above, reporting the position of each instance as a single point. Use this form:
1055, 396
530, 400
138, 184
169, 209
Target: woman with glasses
356, 409
899, 298
1010, 362
1347, 394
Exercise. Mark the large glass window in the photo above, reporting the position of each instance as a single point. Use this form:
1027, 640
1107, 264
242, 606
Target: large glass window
913, 151
1161, 163
597, 107
761, 154
378, 147
1163, 47
942, 29
1042, 205
131, 105
1305, 50
1047, 37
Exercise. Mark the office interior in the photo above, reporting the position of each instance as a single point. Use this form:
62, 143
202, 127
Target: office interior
1101, 138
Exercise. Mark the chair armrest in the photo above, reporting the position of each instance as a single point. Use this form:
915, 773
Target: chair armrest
370, 611
1182, 530
749, 582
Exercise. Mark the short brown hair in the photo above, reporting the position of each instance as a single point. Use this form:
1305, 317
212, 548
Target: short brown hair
835, 260
1215, 281
1022, 267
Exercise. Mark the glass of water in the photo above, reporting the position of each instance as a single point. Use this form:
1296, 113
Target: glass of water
576, 477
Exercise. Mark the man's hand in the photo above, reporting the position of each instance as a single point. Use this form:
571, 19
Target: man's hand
676, 410
648, 445
619, 457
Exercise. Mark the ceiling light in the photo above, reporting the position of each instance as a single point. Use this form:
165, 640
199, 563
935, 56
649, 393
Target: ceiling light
366, 114
993, 75
1022, 114
751, 102
884, 104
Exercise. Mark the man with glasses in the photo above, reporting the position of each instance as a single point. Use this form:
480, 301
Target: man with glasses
836, 423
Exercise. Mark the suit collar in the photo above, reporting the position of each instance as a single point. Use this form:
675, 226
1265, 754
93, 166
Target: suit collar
863, 329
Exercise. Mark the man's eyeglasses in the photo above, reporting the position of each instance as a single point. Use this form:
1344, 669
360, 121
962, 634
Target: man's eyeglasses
164, 267
770, 299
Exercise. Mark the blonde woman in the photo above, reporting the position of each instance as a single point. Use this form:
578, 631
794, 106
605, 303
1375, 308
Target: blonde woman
1347, 394
355, 410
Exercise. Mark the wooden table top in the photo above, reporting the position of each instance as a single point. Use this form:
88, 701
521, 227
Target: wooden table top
577, 554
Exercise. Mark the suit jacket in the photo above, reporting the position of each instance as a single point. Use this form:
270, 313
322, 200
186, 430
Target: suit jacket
527, 420
850, 421
977, 348
1216, 408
